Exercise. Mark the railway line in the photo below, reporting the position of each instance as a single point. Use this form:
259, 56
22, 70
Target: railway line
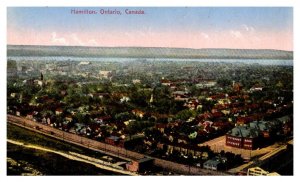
104, 148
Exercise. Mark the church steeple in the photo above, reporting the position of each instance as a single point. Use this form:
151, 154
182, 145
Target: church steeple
151, 99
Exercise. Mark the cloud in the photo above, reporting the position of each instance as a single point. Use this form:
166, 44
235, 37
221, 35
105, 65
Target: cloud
71, 39
206, 36
93, 42
58, 40
77, 41
248, 28
236, 34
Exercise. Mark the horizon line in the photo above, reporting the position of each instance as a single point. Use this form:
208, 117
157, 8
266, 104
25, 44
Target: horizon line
143, 47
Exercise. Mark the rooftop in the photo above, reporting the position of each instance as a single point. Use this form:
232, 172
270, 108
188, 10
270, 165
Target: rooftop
244, 131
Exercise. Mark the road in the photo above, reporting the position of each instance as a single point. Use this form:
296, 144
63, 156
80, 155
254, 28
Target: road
261, 159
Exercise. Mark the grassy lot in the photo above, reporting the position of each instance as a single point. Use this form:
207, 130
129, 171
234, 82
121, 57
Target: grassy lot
30, 137
25, 161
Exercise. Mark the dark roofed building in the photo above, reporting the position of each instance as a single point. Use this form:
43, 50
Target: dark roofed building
263, 126
214, 164
242, 137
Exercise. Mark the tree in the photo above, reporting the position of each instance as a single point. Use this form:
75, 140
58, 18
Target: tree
185, 114
123, 116
224, 82
79, 117
46, 113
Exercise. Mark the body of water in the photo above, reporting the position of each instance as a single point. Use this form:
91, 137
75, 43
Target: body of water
111, 59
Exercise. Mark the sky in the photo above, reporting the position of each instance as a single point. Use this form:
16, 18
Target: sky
180, 27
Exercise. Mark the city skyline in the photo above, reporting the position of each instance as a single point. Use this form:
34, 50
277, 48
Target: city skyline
192, 27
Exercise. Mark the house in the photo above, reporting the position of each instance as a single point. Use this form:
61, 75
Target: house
80, 128
44, 120
92, 130
115, 140
124, 99
99, 95
284, 119
58, 111
138, 113
192, 104
287, 128
105, 74
66, 125
98, 121
13, 95
38, 82
180, 95
140, 165
136, 81
166, 82
212, 164
225, 111
63, 92
208, 129
184, 139
256, 89
236, 87
160, 145
217, 114
257, 171
221, 125
29, 116
243, 120
68, 118
161, 127
206, 123
84, 63
206, 83
103, 119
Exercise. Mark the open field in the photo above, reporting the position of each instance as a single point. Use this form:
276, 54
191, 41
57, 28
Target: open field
17, 133
29, 161
33, 153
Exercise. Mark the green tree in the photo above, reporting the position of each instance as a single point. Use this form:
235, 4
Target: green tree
185, 114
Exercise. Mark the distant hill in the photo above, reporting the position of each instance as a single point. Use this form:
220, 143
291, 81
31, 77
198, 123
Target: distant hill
146, 52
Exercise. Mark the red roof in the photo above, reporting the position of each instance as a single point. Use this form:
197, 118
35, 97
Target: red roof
217, 114
160, 125
59, 110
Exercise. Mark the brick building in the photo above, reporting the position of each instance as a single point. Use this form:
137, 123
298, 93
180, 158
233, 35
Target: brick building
114, 140
140, 165
247, 136
243, 137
